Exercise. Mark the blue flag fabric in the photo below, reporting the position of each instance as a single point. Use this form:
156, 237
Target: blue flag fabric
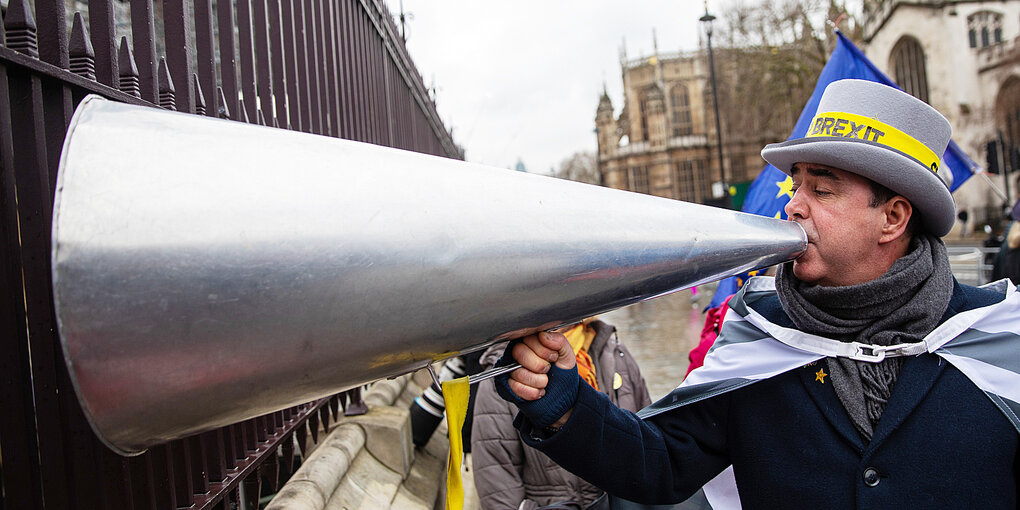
772, 189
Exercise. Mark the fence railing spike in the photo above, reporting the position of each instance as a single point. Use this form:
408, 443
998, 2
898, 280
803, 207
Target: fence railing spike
167, 93
21, 28
82, 57
242, 112
127, 70
222, 110
199, 95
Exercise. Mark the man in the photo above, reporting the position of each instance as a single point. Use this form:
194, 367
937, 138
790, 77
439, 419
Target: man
1007, 261
862, 376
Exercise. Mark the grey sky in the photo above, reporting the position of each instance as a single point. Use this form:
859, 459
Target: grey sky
522, 79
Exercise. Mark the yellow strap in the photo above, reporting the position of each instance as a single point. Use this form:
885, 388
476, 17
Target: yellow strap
455, 394
850, 125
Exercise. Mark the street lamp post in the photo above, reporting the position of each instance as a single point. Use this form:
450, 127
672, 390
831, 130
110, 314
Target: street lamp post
707, 19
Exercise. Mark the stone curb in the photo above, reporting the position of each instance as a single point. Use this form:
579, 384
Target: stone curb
368, 461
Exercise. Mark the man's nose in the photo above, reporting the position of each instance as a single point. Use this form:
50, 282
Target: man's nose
796, 208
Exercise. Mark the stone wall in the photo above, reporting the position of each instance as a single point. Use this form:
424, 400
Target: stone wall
369, 461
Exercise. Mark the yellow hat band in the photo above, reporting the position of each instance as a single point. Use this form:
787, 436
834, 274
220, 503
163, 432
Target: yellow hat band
849, 125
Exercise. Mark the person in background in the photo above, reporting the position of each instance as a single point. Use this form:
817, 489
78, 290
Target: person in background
510, 475
713, 322
1007, 261
428, 408
963, 215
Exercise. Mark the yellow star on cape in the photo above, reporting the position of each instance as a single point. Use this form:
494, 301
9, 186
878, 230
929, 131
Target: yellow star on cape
785, 187
820, 375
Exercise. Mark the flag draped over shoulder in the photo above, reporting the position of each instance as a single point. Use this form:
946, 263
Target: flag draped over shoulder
980, 342
772, 189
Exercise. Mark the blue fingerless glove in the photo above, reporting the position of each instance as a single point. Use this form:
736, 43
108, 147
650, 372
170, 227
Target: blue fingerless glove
560, 393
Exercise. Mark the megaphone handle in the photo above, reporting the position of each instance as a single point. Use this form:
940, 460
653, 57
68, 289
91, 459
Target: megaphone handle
492, 372
435, 378
496, 371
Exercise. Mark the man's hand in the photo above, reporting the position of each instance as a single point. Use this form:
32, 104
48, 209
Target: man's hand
537, 354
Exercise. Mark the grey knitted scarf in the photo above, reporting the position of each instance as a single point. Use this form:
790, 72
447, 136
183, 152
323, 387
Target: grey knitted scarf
901, 306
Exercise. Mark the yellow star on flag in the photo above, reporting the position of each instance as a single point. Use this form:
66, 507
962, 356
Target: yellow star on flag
785, 187
820, 375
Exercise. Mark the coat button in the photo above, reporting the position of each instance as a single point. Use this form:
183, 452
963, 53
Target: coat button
871, 477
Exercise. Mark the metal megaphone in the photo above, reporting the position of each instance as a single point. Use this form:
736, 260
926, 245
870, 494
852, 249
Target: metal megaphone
207, 271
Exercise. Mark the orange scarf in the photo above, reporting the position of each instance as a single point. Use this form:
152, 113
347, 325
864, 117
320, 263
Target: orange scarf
580, 337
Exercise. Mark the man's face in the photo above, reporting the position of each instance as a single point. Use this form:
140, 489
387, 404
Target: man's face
834, 207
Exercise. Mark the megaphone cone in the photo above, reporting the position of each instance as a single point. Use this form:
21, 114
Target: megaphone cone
207, 271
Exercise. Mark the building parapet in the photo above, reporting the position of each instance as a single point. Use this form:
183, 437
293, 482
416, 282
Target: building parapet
996, 55
687, 141
676, 142
877, 13
668, 55
633, 148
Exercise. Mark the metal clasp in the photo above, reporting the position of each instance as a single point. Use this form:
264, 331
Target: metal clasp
876, 353
871, 353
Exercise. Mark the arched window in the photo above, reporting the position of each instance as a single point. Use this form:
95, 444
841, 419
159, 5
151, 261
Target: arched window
681, 110
907, 64
1007, 107
984, 29
690, 182
644, 116
638, 177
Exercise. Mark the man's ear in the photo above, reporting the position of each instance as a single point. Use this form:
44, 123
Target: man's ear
897, 215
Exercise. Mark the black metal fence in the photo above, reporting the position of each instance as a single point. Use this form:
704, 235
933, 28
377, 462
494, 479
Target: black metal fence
332, 67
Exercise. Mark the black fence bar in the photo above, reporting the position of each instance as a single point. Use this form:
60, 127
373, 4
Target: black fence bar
361, 68
22, 487
260, 34
332, 70
143, 29
177, 25
322, 40
278, 72
346, 77
204, 53
246, 53
304, 83
291, 66
228, 58
312, 70
331, 94
198, 468
102, 28
361, 59
379, 92
34, 193
369, 55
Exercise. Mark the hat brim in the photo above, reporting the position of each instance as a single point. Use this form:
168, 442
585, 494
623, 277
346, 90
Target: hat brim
906, 176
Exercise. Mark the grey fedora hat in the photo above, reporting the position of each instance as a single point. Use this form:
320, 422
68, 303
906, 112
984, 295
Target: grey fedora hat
883, 134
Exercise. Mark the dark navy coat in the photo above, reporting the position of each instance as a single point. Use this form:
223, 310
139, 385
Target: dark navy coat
940, 443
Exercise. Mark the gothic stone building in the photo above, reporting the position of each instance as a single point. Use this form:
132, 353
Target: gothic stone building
963, 58
663, 142
660, 142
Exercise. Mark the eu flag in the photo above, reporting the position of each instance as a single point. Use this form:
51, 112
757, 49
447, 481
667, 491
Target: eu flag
770, 192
